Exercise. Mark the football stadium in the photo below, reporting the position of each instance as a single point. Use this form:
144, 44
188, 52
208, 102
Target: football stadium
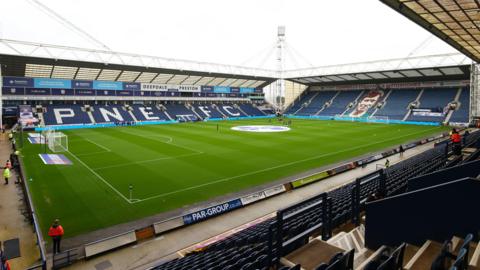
341, 160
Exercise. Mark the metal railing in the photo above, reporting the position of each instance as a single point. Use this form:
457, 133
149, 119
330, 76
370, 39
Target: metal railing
32, 216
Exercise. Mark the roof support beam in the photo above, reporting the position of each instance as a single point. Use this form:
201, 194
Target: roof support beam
407, 12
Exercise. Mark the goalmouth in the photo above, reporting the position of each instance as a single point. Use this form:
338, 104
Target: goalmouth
365, 119
56, 141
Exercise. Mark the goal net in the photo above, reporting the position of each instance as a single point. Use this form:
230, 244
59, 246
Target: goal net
383, 119
343, 117
369, 119
56, 141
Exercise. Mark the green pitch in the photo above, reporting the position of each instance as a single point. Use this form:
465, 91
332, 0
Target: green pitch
170, 166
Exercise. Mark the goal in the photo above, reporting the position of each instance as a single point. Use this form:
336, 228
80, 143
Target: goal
340, 117
56, 141
382, 119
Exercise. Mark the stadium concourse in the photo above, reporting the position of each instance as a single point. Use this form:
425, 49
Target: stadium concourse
13, 223
184, 240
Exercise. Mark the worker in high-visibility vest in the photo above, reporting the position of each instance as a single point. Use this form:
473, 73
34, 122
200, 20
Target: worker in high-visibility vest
6, 174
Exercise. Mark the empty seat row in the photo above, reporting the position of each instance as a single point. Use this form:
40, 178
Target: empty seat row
307, 214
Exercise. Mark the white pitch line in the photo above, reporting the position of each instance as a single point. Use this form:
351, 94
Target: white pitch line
144, 161
100, 177
99, 145
169, 142
93, 153
276, 167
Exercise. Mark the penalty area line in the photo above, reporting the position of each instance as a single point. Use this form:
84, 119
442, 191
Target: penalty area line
170, 140
93, 153
99, 145
100, 177
276, 167
144, 161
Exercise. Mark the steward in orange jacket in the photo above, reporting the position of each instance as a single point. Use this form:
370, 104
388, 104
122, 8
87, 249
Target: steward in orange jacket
456, 141
56, 232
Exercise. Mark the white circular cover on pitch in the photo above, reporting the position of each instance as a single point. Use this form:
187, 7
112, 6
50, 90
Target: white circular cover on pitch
261, 128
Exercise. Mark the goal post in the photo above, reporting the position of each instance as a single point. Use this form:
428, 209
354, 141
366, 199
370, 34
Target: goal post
343, 117
382, 119
56, 141
369, 119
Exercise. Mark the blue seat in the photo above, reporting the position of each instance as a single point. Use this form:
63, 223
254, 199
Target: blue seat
461, 262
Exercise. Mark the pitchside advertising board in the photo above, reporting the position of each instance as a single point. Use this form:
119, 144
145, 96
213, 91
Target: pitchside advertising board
428, 112
211, 211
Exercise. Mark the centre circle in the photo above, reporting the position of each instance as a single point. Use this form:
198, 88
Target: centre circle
261, 128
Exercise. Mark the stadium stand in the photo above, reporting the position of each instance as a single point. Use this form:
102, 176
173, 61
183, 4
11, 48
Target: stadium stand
275, 239
435, 100
76, 114
209, 111
177, 111
300, 102
317, 102
461, 112
354, 103
231, 110
251, 110
65, 114
393, 104
148, 113
340, 103
111, 113
396, 105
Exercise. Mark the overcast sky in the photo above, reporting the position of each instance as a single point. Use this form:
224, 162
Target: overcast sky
319, 32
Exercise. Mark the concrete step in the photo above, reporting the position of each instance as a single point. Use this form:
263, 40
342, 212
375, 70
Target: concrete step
475, 259
311, 255
362, 257
457, 243
354, 239
370, 258
410, 251
424, 257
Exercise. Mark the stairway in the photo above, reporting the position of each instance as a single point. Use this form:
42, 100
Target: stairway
417, 100
450, 112
130, 112
41, 120
164, 110
355, 103
215, 106
329, 102
307, 103
421, 258
414, 258
240, 109
192, 108
384, 100
90, 116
